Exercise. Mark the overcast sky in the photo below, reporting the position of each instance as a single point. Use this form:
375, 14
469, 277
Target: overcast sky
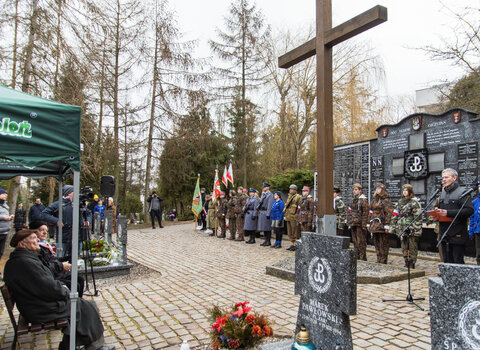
411, 24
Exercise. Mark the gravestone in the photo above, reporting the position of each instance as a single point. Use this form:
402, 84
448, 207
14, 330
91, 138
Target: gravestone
107, 228
97, 225
325, 278
455, 307
122, 239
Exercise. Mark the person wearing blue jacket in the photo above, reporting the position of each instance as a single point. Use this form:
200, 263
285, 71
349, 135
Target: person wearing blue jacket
474, 229
276, 215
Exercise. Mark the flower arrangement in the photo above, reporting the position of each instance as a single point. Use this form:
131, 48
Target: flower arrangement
104, 252
237, 328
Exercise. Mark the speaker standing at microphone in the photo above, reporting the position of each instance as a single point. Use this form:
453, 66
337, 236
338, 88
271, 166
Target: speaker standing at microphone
474, 231
450, 205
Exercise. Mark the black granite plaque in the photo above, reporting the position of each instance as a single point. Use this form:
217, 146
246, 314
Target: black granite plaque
352, 166
394, 188
467, 149
325, 278
377, 168
455, 307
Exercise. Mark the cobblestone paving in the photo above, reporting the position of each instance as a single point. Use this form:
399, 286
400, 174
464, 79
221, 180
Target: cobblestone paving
198, 271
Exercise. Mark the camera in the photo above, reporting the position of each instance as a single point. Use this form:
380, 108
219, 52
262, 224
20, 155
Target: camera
86, 193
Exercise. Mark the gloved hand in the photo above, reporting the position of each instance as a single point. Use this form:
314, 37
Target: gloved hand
243, 216
268, 217
472, 237
254, 218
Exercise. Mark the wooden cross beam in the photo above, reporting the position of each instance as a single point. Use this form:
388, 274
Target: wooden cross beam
321, 45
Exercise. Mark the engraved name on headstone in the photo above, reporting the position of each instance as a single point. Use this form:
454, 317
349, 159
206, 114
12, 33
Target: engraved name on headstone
325, 278
455, 307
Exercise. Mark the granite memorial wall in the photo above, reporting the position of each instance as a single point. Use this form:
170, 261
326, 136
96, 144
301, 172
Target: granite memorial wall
415, 151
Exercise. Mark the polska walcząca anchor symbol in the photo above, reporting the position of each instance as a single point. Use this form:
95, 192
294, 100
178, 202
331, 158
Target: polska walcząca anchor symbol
319, 276
475, 327
417, 165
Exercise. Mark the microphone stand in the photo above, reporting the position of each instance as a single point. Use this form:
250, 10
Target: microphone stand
406, 232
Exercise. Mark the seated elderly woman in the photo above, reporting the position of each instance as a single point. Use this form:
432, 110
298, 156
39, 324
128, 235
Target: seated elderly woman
41, 298
60, 268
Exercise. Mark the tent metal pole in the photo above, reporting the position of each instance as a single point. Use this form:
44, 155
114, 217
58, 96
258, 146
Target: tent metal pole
75, 227
60, 217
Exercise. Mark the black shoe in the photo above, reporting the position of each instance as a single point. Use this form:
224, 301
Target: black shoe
413, 265
266, 244
263, 244
290, 248
293, 248
278, 246
250, 242
211, 234
274, 246
203, 229
153, 227
161, 226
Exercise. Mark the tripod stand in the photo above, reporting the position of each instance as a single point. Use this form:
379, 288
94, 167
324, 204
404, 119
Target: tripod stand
406, 233
87, 255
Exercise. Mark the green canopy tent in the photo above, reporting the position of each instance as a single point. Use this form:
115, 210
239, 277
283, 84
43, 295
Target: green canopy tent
41, 137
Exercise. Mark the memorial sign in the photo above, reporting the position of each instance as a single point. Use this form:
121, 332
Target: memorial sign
415, 151
455, 307
325, 278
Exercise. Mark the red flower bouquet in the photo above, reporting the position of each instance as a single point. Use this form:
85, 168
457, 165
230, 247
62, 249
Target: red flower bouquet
237, 328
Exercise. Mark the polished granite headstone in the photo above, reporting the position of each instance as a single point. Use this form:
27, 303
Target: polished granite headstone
108, 225
97, 225
455, 307
325, 278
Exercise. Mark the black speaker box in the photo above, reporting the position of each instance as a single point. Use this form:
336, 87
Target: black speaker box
107, 186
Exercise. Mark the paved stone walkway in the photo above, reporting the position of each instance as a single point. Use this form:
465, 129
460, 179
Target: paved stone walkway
199, 271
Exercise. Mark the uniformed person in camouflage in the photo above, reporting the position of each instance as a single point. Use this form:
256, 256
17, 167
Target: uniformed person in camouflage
357, 216
231, 216
212, 221
379, 218
240, 216
290, 213
340, 210
222, 214
407, 209
305, 212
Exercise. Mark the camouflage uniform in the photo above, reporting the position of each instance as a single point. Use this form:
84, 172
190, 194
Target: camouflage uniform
290, 211
406, 210
305, 213
240, 216
231, 216
221, 214
379, 218
357, 216
341, 212
211, 215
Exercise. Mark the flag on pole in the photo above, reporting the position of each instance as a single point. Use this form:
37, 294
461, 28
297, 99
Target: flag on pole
216, 186
230, 174
224, 177
197, 199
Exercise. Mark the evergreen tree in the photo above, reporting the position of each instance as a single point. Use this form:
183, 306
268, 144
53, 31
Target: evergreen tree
240, 46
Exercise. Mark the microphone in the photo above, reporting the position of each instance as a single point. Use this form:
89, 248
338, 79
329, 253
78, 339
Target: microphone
471, 189
437, 191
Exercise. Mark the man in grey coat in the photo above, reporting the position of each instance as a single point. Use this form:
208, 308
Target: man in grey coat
264, 209
250, 212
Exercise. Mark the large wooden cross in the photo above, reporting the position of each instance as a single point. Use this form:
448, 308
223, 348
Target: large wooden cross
321, 45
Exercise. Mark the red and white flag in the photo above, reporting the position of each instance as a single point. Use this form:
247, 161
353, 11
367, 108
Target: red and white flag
224, 177
349, 209
370, 212
216, 185
395, 212
230, 174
